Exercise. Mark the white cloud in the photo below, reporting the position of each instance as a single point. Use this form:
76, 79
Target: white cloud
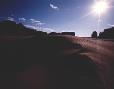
11, 19
111, 25
54, 7
34, 21
39, 24
48, 30
30, 26
44, 29
22, 19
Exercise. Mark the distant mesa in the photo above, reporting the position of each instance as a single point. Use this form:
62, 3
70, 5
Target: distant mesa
68, 33
8, 27
107, 34
63, 33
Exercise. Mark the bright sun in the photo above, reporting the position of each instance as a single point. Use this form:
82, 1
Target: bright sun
100, 7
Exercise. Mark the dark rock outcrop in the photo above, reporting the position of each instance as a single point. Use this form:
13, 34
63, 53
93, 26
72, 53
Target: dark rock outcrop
12, 28
68, 33
107, 34
63, 33
94, 34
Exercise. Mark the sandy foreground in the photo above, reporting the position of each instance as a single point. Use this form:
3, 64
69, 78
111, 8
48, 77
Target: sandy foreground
102, 54
99, 51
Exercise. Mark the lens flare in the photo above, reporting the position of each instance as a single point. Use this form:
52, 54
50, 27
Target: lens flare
100, 7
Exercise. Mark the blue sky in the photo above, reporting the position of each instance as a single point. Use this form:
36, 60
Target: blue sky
56, 15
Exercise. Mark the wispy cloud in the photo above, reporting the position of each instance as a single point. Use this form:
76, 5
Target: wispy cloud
54, 7
11, 19
22, 19
111, 25
39, 24
36, 22
48, 30
30, 26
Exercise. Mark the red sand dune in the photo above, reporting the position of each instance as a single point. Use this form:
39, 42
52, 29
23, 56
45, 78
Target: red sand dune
36, 76
102, 54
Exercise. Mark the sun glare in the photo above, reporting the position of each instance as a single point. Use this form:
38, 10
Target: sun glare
100, 7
